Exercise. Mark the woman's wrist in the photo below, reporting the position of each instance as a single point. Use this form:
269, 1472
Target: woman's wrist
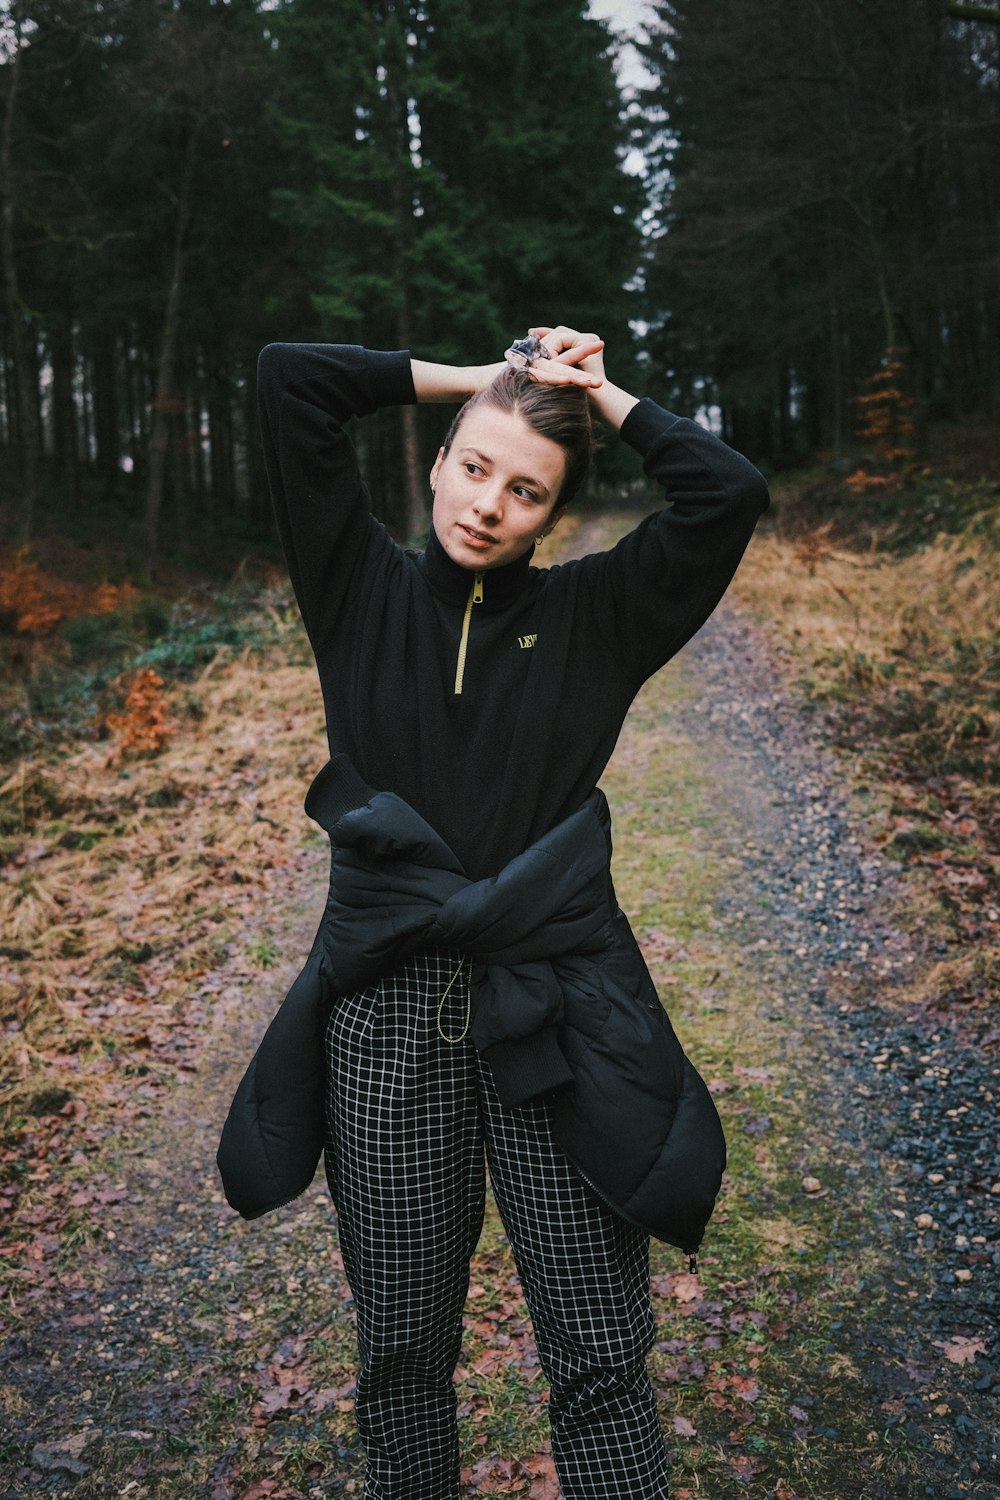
613, 403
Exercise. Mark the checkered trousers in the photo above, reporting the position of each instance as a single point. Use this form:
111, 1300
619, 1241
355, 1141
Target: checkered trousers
408, 1116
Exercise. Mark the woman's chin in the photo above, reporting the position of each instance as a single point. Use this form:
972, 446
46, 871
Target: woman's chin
469, 553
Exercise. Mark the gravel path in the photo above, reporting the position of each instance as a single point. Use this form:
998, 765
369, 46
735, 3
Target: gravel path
102, 1384
904, 1102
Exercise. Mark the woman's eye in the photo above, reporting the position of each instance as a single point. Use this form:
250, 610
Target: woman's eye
525, 494
472, 468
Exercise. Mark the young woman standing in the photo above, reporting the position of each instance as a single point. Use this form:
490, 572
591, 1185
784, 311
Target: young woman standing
480, 994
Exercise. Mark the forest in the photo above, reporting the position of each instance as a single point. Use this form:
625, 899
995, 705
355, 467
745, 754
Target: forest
784, 221
184, 180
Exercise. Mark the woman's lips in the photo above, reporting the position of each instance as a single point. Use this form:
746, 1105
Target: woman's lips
476, 538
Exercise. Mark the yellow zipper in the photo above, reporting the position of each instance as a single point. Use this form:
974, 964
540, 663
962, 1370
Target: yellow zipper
475, 597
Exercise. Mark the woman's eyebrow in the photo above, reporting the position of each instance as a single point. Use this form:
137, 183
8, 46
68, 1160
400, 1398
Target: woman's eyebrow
485, 459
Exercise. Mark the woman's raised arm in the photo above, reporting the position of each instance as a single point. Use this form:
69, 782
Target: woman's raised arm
658, 586
450, 382
306, 393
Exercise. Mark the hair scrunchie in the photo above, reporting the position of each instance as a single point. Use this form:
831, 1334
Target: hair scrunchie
524, 352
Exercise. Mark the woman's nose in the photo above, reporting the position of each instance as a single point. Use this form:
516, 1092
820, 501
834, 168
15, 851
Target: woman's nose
489, 500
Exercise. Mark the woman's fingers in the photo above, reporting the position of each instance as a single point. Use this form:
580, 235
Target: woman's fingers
568, 348
562, 341
557, 372
589, 345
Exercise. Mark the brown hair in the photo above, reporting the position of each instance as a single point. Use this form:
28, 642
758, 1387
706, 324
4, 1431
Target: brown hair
558, 412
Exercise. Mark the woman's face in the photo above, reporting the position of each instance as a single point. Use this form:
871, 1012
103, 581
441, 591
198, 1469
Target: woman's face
496, 489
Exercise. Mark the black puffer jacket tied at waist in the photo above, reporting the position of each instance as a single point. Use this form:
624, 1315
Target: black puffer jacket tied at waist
563, 1008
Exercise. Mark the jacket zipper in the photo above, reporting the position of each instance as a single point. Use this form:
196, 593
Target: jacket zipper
692, 1255
475, 597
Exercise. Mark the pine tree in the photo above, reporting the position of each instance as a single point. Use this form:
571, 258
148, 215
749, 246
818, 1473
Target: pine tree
521, 129
813, 206
440, 195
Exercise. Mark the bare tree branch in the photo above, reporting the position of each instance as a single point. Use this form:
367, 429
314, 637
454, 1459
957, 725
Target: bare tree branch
967, 12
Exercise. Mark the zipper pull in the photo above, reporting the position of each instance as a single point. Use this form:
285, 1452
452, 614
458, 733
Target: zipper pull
475, 597
692, 1265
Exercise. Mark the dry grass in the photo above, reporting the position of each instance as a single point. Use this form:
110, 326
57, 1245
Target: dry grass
914, 636
900, 654
123, 886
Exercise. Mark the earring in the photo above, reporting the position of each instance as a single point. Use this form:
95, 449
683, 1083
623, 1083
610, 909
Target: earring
540, 539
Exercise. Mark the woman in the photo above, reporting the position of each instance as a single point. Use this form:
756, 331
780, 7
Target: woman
478, 988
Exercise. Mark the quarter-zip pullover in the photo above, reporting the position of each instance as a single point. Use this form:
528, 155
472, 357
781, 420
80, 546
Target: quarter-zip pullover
492, 713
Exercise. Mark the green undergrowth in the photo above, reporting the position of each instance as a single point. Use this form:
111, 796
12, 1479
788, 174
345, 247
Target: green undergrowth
59, 688
902, 519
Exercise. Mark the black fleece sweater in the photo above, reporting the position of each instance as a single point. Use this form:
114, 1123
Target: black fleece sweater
554, 655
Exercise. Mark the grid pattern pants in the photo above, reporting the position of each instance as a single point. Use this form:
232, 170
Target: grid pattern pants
408, 1117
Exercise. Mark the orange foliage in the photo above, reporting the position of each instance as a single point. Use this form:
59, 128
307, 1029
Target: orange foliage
811, 548
862, 480
142, 728
38, 601
885, 419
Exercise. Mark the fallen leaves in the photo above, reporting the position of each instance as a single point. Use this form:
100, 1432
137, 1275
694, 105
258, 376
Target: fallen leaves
685, 1287
960, 1350
532, 1478
64, 1455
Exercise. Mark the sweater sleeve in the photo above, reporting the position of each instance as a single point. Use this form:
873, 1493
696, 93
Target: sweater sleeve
306, 393
658, 586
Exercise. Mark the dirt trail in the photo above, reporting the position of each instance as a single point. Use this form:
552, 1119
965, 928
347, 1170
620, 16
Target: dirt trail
175, 1361
901, 1117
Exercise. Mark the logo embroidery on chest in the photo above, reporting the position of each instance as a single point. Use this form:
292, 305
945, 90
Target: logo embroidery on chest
527, 641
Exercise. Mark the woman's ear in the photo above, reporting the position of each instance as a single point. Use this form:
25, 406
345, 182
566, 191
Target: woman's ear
554, 519
436, 469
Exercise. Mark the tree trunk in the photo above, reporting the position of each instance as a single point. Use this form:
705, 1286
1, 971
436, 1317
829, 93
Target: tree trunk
164, 402
105, 409
63, 360
256, 479
24, 366
786, 442
6, 431
837, 393
131, 356
413, 486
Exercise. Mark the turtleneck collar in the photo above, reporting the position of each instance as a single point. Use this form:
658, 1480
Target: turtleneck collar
451, 582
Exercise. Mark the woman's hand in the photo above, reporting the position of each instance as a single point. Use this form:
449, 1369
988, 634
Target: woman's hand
576, 358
